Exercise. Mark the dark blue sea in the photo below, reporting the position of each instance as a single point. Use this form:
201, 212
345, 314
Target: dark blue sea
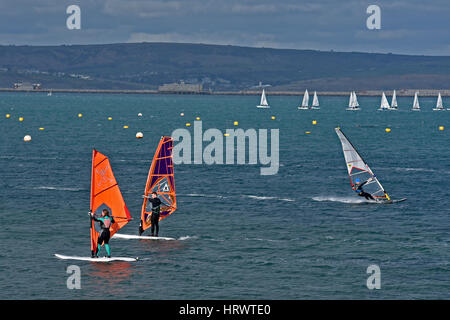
299, 234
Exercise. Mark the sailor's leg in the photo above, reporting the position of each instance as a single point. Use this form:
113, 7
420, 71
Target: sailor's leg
106, 242
157, 226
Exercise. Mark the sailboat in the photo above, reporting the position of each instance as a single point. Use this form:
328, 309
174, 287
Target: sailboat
358, 169
49, 94
439, 105
161, 180
394, 105
384, 103
105, 194
315, 104
353, 102
263, 103
416, 106
305, 102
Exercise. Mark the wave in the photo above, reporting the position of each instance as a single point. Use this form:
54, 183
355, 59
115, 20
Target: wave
60, 188
417, 169
201, 195
341, 199
187, 238
268, 198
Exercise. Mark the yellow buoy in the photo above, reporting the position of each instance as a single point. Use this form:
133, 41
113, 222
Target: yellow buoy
198, 118
20, 119
8, 115
109, 118
80, 115
139, 135
236, 123
441, 128
314, 122
388, 130
27, 138
188, 124
41, 128
125, 127
273, 117
307, 132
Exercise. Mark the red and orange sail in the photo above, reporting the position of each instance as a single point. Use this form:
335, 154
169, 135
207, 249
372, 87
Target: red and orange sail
105, 194
160, 180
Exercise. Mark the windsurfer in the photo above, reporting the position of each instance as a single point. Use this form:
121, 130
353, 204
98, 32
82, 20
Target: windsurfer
106, 222
359, 189
154, 217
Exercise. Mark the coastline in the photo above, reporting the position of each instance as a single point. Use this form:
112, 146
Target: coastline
370, 93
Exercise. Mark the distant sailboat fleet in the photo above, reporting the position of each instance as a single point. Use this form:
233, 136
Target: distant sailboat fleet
353, 104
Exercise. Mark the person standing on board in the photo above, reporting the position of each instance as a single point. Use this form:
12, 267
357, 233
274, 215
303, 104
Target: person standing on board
358, 189
154, 218
105, 223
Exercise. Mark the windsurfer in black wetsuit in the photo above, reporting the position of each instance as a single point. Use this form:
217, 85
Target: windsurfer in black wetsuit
358, 189
105, 223
154, 218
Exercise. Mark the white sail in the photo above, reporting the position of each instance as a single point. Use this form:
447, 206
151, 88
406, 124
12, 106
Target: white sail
384, 103
416, 105
305, 101
350, 100
394, 104
353, 102
357, 168
315, 100
356, 99
439, 105
263, 103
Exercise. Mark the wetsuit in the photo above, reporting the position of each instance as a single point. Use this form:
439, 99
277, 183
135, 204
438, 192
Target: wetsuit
155, 214
105, 223
361, 192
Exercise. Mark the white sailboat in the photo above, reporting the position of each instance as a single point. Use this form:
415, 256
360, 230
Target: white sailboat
394, 105
353, 102
315, 104
439, 105
305, 101
263, 103
384, 103
49, 94
416, 106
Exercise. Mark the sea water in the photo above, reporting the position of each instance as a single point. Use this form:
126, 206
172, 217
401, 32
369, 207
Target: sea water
299, 234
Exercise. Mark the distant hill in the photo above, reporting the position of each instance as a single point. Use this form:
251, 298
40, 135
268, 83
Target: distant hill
217, 67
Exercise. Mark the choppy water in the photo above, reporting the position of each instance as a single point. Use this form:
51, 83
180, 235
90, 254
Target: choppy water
300, 234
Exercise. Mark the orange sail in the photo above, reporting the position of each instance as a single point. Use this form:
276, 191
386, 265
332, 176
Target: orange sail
160, 180
105, 194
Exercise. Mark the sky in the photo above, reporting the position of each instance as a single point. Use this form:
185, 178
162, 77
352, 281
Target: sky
407, 26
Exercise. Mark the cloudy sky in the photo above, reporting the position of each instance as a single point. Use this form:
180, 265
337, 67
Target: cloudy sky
407, 26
